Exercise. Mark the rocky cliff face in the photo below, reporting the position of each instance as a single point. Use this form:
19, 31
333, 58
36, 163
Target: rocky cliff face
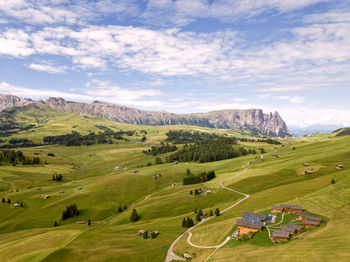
12, 101
251, 119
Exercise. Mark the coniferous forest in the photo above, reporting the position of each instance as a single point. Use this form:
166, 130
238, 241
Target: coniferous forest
209, 150
16, 157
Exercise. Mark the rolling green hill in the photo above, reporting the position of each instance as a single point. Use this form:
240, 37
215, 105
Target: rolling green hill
91, 181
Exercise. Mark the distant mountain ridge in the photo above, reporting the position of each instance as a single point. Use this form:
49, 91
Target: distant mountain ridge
249, 119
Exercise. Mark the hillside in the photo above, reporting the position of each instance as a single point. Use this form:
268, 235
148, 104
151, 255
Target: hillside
251, 119
91, 180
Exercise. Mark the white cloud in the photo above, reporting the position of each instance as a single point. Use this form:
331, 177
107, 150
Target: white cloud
15, 42
48, 67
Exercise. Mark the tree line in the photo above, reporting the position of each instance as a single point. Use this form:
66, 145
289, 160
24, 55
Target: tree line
184, 137
209, 150
201, 177
16, 157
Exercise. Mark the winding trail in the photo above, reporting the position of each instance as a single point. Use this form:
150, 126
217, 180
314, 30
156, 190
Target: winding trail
170, 254
273, 225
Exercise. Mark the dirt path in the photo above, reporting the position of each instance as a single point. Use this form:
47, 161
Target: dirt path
170, 254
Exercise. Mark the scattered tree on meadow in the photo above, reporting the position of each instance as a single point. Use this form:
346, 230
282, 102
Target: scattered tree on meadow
198, 217
55, 224
3, 200
134, 216
191, 192
71, 211
9, 201
89, 222
188, 172
196, 192
22, 204
120, 209
217, 212
183, 222
211, 213
145, 235
332, 181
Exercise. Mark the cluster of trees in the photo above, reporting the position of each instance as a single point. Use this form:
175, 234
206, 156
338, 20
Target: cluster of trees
197, 192
209, 150
134, 216
183, 137
145, 234
58, 177
187, 222
268, 140
16, 157
201, 177
16, 143
3, 200
71, 211
157, 150
76, 139
122, 208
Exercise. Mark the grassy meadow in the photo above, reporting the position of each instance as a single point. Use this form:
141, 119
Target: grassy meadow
28, 233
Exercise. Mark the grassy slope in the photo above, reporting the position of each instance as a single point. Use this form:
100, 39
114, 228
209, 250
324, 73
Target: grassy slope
112, 237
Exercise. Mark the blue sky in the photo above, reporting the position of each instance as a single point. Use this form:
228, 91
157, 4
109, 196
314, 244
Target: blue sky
183, 56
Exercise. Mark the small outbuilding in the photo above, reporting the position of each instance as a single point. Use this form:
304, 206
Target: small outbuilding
308, 217
37, 188
279, 236
306, 164
140, 233
246, 226
308, 172
81, 222
16, 205
310, 224
134, 171
339, 167
62, 192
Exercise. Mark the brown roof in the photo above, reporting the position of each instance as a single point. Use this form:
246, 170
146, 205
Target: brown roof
251, 224
310, 217
255, 215
280, 233
296, 227
312, 223
296, 207
287, 228
277, 208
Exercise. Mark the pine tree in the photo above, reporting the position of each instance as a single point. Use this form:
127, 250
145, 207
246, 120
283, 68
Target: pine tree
3, 200
332, 181
200, 212
188, 222
191, 222
89, 222
55, 224
211, 213
196, 192
145, 235
191, 192
125, 207
120, 209
134, 216
21, 204
217, 212
9, 201
198, 217
188, 172
184, 222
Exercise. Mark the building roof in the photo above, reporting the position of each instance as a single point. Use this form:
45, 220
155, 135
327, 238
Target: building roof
296, 207
296, 227
280, 233
285, 205
277, 208
156, 232
310, 217
255, 215
287, 228
251, 224
311, 223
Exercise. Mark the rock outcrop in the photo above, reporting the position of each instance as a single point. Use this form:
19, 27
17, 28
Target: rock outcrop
7, 101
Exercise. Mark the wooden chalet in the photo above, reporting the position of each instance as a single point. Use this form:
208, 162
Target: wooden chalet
289, 229
308, 217
279, 236
254, 216
275, 209
291, 209
246, 226
310, 224
296, 227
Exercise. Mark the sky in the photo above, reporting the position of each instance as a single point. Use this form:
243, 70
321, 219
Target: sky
183, 56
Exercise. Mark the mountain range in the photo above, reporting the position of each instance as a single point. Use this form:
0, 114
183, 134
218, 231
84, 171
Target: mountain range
250, 119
